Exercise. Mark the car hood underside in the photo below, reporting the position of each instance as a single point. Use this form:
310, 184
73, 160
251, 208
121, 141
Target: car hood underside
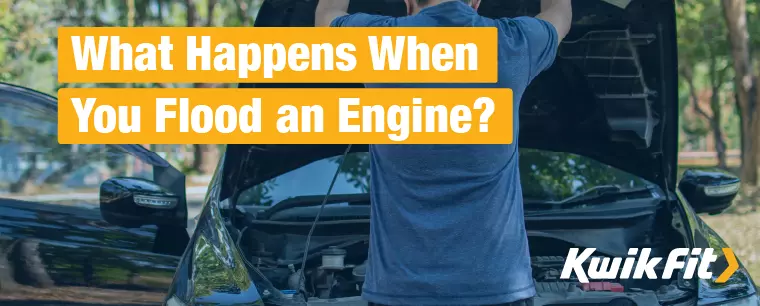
611, 94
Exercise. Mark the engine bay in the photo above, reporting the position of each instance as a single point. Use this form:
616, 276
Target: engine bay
337, 257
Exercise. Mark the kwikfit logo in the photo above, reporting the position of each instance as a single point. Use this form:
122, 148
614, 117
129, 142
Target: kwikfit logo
637, 264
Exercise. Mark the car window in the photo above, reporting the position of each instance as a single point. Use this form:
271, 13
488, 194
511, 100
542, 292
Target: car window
34, 167
312, 179
545, 176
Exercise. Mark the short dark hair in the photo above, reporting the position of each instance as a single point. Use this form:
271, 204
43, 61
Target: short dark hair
425, 2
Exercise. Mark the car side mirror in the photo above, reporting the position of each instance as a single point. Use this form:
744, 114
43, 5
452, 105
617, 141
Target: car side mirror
134, 202
709, 192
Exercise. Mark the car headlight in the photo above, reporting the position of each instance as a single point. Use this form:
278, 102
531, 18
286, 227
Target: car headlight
751, 300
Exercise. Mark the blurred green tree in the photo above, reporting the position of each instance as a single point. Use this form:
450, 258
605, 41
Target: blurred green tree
704, 66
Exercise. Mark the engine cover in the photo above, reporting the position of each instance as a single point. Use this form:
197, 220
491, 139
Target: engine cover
570, 293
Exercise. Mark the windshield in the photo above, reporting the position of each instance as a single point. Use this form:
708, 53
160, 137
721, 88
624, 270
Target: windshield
545, 176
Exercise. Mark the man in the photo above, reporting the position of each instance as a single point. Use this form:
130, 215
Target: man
447, 220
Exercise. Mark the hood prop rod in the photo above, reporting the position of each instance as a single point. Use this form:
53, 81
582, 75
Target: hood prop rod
302, 272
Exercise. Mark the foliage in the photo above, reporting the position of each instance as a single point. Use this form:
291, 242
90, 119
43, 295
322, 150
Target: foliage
28, 41
703, 59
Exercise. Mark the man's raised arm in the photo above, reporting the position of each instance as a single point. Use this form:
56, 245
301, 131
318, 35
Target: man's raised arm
557, 12
329, 10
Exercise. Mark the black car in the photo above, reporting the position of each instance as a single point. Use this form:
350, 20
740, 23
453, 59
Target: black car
598, 155
57, 245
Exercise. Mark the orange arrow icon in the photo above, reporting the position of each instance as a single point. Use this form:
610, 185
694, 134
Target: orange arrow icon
733, 265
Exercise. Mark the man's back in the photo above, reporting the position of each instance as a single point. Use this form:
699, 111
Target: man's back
447, 221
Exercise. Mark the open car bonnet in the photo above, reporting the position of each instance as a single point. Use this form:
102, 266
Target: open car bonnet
611, 94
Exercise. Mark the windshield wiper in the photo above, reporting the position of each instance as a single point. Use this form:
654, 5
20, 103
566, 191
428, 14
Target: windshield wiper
313, 200
603, 193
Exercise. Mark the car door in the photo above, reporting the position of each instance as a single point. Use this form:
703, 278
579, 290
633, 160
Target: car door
54, 245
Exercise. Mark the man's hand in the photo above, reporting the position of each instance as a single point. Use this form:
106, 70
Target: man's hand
328, 10
557, 12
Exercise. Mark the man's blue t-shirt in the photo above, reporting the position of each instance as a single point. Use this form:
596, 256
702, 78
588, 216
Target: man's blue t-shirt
447, 224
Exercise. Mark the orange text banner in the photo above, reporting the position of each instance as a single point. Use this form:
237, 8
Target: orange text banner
277, 55
285, 116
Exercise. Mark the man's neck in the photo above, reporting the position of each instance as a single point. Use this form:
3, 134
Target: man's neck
435, 2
